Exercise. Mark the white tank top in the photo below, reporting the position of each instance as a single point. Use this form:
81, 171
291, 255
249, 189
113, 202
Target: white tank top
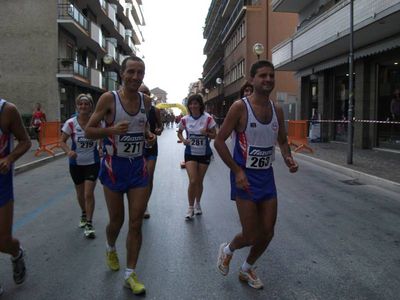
6, 140
199, 143
130, 144
254, 148
86, 149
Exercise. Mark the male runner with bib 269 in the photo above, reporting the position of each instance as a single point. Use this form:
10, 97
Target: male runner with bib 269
257, 124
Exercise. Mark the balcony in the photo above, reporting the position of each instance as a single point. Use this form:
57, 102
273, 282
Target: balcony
293, 6
109, 81
96, 34
326, 36
72, 71
71, 17
96, 78
111, 13
110, 46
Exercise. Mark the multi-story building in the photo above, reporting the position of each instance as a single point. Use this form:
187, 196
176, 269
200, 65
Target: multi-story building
232, 28
160, 95
196, 87
319, 52
51, 51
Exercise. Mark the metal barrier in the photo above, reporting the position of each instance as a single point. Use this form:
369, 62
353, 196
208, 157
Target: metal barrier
49, 138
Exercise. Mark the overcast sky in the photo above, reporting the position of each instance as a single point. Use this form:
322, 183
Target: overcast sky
173, 47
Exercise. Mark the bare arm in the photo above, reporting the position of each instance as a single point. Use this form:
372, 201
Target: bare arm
159, 126
283, 142
18, 130
64, 146
103, 107
231, 122
181, 138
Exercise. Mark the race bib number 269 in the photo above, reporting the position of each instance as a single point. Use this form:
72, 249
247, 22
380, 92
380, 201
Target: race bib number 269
259, 157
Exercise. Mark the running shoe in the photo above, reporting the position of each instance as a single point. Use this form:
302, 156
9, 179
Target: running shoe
251, 278
112, 260
197, 209
132, 283
19, 270
82, 222
89, 231
223, 260
146, 214
189, 214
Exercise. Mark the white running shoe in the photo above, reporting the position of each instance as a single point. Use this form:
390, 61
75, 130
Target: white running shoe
197, 209
251, 278
189, 214
223, 260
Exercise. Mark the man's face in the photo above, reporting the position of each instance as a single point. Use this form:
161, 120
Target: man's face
264, 80
133, 75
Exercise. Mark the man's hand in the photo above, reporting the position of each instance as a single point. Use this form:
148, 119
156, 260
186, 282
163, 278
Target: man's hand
5, 165
121, 127
150, 139
158, 131
186, 142
292, 165
241, 180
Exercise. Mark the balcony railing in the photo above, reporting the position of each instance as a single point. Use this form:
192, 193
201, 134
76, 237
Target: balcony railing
67, 11
103, 4
70, 66
109, 84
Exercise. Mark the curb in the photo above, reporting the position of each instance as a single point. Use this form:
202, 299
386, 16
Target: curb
37, 163
362, 177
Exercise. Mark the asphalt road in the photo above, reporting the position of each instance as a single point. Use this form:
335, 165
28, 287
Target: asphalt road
333, 240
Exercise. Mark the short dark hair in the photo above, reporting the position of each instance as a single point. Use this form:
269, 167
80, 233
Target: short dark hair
199, 99
260, 64
130, 57
245, 86
144, 89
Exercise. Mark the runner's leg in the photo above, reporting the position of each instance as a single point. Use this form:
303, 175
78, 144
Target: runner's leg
137, 201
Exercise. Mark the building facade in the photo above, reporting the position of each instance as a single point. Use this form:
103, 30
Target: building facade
232, 28
160, 95
318, 52
64, 48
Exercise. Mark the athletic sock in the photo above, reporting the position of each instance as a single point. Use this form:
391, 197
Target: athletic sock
246, 266
110, 248
227, 250
128, 272
19, 255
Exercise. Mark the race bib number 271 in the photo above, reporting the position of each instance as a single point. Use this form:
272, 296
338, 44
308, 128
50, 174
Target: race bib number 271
130, 145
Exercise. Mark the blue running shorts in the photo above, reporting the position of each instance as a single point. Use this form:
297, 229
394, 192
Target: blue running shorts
262, 186
121, 174
6, 188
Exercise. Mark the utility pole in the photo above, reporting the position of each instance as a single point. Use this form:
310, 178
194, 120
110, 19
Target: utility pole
350, 124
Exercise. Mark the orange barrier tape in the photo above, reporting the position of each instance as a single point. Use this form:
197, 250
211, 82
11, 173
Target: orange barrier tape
49, 137
297, 135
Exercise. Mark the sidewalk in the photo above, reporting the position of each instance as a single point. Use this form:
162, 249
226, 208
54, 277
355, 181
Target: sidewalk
29, 160
379, 163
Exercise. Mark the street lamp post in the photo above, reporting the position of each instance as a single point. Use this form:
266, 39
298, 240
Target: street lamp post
107, 60
220, 83
258, 49
350, 124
